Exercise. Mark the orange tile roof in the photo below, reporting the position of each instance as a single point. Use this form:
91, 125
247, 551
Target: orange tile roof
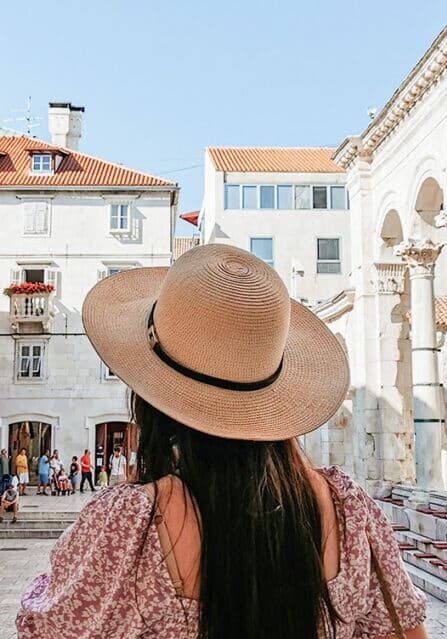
441, 313
274, 160
75, 169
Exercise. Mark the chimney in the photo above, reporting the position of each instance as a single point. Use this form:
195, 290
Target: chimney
65, 124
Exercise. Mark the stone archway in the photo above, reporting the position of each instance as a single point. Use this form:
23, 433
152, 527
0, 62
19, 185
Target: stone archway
391, 234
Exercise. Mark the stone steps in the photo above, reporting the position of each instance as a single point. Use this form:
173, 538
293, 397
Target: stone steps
23, 523
422, 536
427, 582
30, 533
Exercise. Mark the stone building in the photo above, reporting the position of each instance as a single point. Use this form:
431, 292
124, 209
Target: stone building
391, 428
68, 219
289, 206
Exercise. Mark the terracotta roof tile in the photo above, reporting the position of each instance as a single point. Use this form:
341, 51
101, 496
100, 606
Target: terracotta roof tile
441, 313
274, 160
75, 169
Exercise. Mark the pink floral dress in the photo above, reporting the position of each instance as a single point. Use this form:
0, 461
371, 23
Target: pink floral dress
109, 577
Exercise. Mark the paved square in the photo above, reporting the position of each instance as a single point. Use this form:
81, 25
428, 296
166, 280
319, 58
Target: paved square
23, 559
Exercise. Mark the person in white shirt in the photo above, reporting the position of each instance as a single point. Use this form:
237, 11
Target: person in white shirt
118, 467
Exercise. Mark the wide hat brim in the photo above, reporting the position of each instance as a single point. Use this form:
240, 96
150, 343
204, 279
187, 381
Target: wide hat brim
309, 390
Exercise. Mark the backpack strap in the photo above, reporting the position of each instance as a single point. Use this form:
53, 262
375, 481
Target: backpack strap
386, 594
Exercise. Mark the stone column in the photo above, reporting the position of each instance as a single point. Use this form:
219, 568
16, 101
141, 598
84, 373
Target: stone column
421, 255
393, 436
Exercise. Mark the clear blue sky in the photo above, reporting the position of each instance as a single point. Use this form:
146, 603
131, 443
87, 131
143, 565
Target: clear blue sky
162, 80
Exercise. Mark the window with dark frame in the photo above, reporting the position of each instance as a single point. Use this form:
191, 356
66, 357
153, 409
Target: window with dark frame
30, 361
319, 197
328, 256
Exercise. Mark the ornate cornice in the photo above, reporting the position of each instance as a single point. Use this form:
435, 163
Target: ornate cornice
335, 307
390, 277
424, 75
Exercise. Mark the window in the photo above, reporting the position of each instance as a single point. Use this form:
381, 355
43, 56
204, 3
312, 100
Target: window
262, 247
338, 197
302, 197
267, 197
30, 361
285, 198
35, 274
328, 255
232, 196
36, 218
249, 197
119, 218
319, 197
42, 163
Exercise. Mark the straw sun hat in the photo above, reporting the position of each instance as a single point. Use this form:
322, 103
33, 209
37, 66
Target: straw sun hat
216, 343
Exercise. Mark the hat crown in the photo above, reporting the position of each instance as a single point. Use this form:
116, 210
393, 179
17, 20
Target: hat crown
223, 312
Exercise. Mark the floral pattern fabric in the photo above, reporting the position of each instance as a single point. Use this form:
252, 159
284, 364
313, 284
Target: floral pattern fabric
109, 577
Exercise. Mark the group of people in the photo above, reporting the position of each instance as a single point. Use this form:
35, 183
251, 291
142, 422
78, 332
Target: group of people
53, 476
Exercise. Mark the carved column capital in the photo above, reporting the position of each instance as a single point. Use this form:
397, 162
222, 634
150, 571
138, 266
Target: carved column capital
420, 255
390, 277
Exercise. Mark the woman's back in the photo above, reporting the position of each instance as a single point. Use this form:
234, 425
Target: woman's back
128, 578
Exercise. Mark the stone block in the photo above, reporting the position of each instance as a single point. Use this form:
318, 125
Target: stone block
441, 529
374, 468
422, 523
393, 447
393, 471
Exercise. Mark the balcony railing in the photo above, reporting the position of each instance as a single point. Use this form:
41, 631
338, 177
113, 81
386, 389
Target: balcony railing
31, 307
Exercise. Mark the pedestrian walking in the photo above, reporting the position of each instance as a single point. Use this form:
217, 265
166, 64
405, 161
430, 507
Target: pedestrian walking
9, 503
75, 474
44, 473
4, 463
118, 467
232, 532
86, 471
22, 471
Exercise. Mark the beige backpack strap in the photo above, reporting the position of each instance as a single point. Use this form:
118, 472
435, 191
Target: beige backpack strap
386, 594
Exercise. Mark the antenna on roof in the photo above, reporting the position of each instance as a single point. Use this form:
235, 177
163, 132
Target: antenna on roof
30, 121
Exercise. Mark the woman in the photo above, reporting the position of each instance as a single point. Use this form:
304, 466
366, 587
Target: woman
22, 471
75, 474
232, 534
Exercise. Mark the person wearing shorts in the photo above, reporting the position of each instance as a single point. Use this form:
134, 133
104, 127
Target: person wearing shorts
44, 473
22, 471
10, 503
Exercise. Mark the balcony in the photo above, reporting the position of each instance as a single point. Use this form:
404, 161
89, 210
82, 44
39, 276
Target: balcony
31, 309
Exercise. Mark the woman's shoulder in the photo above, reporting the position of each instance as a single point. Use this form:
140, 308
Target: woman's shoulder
352, 496
119, 508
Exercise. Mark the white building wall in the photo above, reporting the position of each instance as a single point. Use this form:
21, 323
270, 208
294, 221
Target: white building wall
73, 396
294, 232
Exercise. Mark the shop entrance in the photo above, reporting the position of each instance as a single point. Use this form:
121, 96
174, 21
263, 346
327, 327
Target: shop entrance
111, 434
35, 437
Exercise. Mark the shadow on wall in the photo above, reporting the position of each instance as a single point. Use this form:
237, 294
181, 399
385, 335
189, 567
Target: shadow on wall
368, 439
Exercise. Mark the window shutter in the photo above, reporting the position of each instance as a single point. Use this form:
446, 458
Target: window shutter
51, 277
30, 217
102, 273
16, 276
41, 217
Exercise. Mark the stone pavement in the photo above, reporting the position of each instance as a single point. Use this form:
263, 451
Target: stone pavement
23, 559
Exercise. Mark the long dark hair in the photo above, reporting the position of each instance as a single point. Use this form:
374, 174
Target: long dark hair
261, 570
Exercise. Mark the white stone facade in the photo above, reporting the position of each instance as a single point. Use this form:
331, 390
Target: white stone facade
293, 232
397, 180
74, 392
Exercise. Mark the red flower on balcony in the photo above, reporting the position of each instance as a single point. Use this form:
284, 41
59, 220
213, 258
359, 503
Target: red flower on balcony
28, 288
